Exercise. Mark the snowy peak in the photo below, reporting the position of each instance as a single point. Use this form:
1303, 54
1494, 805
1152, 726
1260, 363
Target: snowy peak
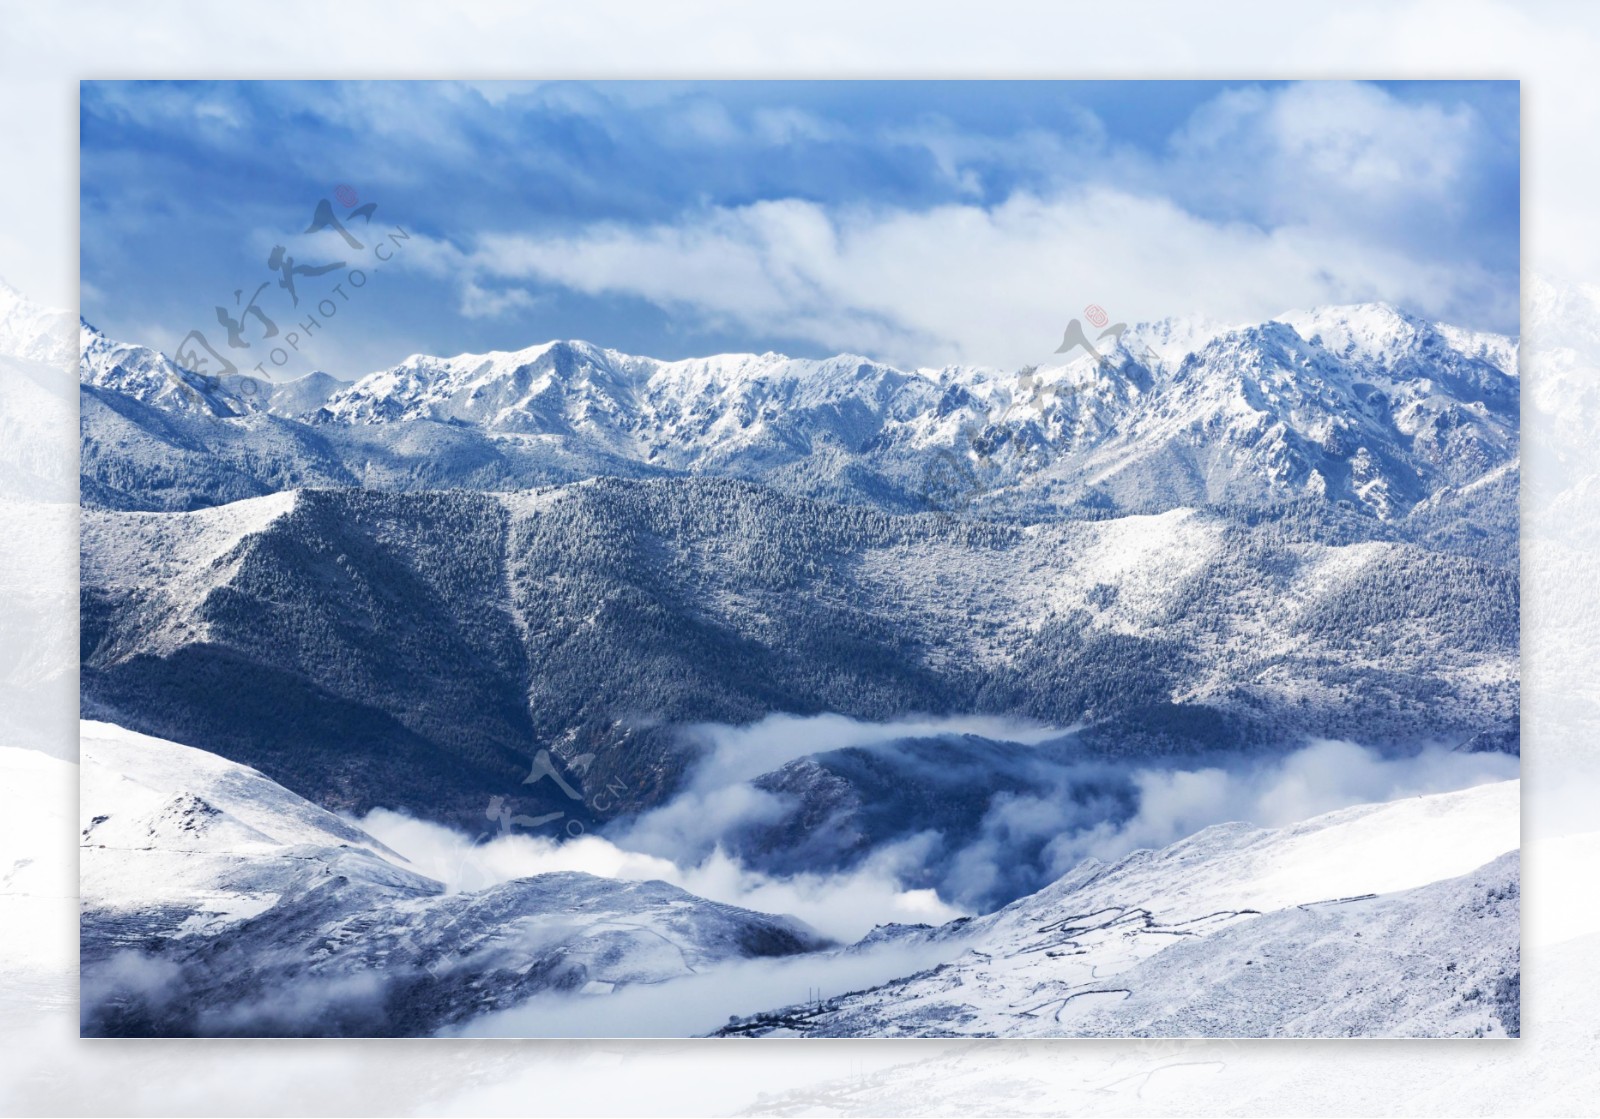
1386, 336
1364, 405
150, 377
1370, 331
304, 395
34, 333
515, 390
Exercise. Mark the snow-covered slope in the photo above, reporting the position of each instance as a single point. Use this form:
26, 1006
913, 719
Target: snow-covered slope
38, 879
36, 428
151, 377
215, 901
36, 412
1398, 919
1440, 960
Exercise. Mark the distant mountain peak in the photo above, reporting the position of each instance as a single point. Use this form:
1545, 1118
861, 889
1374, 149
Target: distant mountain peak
34, 332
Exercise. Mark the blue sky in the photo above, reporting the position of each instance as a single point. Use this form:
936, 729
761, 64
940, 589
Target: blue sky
916, 222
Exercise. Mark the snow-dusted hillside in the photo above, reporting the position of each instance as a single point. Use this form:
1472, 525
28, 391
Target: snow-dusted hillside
216, 901
1398, 919
289, 631
36, 412
1364, 405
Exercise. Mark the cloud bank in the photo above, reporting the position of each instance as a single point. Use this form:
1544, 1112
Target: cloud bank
979, 285
843, 905
1048, 809
1264, 201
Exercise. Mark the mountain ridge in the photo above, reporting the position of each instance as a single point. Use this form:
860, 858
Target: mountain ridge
1376, 409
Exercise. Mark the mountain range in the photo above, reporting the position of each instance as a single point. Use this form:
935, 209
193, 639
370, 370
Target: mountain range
745, 536
443, 639
1362, 408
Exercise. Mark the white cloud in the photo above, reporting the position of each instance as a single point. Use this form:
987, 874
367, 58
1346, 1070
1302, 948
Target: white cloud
701, 1003
484, 303
972, 284
1326, 775
844, 905
1326, 153
737, 753
1025, 840
1268, 199
1035, 154
778, 127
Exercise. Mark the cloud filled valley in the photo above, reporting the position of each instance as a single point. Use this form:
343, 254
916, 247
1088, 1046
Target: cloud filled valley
721, 837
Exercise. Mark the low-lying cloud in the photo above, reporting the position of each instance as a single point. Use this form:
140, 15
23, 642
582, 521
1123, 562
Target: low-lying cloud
738, 753
844, 905
1325, 775
702, 1003
1020, 806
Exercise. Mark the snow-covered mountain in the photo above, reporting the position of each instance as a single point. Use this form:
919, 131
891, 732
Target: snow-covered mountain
1364, 405
1391, 920
214, 901
31, 332
152, 378
148, 376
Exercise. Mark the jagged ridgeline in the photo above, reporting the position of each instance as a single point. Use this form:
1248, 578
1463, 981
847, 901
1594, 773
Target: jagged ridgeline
398, 591
1358, 408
